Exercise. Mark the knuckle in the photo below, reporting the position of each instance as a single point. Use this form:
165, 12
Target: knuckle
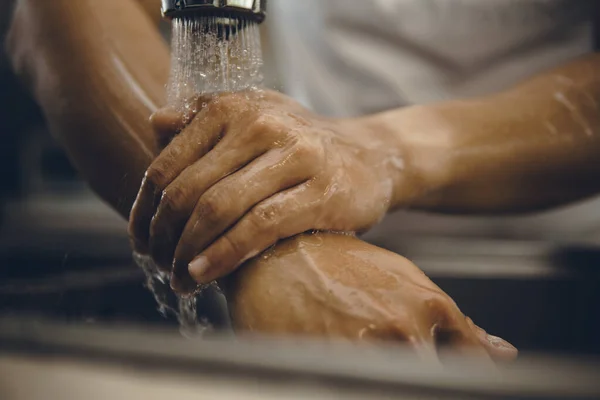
265, 216
156, 177
173, 152
172, 199
234, 246
166, 123
437, 303
443, 309
265, 120
168, 160
263, 127
308, 153
213, 208
224, 103
392, 331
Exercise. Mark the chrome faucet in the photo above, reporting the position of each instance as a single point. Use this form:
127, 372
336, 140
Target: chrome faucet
251, 9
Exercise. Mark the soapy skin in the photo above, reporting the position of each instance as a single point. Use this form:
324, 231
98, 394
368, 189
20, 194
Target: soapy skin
98, 105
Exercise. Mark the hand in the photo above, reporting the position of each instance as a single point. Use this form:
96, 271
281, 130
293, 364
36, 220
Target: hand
249, 170
338, 287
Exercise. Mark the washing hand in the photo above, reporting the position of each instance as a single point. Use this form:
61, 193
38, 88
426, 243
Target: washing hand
251, 169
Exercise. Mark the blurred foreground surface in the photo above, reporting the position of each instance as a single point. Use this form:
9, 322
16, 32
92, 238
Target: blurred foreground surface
40, 360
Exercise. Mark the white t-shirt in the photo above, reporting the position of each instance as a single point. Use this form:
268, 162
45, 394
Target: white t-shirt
355, 57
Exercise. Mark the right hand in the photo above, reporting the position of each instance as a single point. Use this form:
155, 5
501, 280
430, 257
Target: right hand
336, 286
253, 168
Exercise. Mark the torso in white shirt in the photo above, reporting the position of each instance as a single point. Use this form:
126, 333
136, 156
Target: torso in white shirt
355, 57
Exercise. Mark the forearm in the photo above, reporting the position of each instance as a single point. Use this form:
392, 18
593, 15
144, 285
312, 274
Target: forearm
97, 69
152, 9
532, 147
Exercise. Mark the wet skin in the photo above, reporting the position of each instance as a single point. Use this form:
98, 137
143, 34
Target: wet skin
280, 166
339, 287
251, 169
514, 151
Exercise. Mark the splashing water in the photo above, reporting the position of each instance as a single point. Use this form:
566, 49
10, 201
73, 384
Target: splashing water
209, 55
169, 303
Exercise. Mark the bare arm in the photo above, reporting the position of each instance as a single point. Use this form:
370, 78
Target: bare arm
529, 148
152, 8
97, 69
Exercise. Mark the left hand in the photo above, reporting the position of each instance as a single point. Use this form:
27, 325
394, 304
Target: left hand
336, 287
251, 169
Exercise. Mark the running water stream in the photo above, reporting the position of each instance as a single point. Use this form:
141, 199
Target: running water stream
209, 55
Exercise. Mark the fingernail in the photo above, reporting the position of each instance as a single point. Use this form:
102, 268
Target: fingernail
198, 267
500, 343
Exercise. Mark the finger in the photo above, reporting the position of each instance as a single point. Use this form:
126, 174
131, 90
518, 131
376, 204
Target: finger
194, 142
452, 333
421, 342
498, 348
167, 123
241, 145
271, 220
180, 198
224, 203
456, 341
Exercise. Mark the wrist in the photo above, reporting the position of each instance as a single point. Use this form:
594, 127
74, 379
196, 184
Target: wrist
423, 141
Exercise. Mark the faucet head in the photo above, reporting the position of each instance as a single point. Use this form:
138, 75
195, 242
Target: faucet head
252, 9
